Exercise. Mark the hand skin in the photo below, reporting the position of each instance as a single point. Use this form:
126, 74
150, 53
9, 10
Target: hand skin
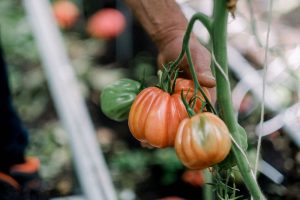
165, 23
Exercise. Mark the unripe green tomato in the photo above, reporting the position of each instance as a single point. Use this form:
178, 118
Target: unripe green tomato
117, 98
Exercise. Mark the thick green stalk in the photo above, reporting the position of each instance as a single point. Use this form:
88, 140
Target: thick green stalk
219, 38
207, 188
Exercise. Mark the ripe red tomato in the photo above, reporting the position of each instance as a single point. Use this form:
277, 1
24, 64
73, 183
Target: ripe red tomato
193, 177
106, 23
202, 141
65, 13
155, 114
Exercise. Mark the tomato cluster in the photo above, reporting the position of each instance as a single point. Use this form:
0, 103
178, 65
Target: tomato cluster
155, 114
160, 119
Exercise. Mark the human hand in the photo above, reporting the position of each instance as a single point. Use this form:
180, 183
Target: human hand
170, 48
166, 25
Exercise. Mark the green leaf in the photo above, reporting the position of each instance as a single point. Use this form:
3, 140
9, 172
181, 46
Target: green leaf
243, 138
243, 142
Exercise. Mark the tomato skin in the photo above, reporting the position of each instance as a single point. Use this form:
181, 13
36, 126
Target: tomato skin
117, 98
107, 23
202, 141
155, 114
65, 13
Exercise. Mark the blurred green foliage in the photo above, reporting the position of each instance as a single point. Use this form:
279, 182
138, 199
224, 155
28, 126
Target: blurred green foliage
16, 34
30, 94
27, 81
126, 164
33, 102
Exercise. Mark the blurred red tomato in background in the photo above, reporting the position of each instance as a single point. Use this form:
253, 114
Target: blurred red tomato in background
65, 12
107, 23
193, 177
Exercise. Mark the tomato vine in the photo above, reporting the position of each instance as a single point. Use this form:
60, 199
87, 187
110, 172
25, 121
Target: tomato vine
217, 28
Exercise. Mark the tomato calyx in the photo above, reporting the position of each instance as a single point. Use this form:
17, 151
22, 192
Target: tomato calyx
167, 82
167, 78
189, 106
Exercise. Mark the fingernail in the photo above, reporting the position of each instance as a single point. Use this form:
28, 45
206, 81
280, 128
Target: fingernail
208, 74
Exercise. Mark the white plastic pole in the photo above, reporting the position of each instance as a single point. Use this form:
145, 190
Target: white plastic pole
89, 162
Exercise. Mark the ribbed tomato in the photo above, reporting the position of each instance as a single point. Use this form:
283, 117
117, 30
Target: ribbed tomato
202, 141
155, 114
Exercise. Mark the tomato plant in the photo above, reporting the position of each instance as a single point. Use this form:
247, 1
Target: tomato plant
202, 141
65, 13
216, 25
117, 98
155, 114
106, 23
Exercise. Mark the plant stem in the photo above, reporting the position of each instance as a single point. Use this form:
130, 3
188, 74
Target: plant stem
207, 189
196, 82
206, 21
219, 38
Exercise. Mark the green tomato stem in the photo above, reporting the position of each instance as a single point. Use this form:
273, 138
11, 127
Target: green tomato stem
207, 188
189, 110
207, 22
219, 38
